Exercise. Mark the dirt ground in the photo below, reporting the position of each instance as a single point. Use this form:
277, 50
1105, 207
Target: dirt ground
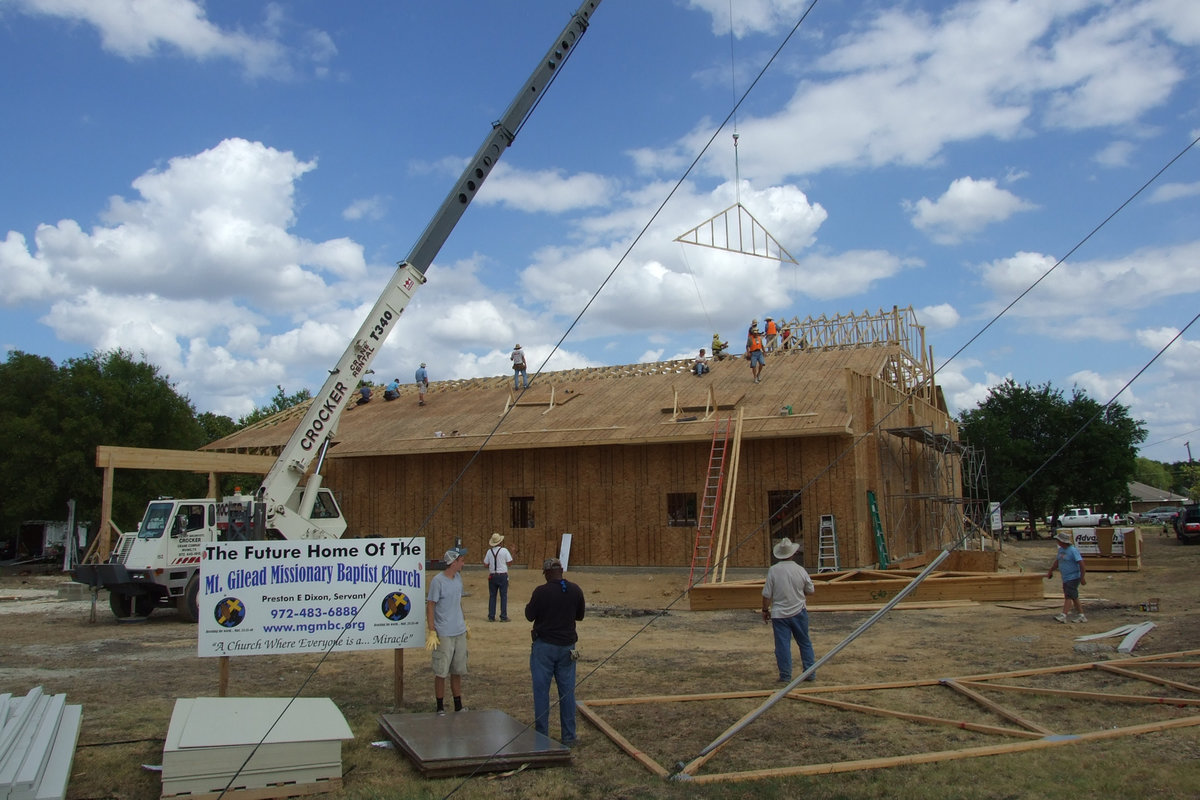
127, 677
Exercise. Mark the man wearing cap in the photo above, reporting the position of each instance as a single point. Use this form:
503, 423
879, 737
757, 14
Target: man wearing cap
519, 367
1069, 563
497, 560
554, 609
446, 629
422, 384
783, 605
392, 390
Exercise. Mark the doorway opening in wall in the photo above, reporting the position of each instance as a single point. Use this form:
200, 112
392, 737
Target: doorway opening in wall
786, 519
521, 512
681, 509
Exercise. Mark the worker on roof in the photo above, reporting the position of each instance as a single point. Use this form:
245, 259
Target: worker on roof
392, 390
755, 352
719, 347
772, 335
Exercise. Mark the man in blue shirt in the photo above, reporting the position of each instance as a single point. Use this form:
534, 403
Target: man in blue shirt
392, 390
422, 384
1069, 563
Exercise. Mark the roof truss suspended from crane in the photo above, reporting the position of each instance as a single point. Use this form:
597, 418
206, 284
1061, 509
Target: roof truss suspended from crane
735, 230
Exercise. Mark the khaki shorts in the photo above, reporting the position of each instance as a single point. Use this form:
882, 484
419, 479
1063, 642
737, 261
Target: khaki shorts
450, 658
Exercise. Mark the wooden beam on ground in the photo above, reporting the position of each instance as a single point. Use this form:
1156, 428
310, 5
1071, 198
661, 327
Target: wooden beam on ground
1142, 676
953, 723
945, 755
620, 741
1077, 695
995, 707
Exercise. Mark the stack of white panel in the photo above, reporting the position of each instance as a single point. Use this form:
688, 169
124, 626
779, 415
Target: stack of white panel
234, 744
37, 745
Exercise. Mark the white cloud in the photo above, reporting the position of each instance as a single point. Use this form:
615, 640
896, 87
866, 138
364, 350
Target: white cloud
1115, 154
751, 16
548, 190
372, 208
906, 83
1092, 299
134, 29
196, 266
966, 208
826, 276
1174, 191
940, 317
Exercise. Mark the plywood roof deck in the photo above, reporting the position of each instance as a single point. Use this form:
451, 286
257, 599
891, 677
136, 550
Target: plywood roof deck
628, 404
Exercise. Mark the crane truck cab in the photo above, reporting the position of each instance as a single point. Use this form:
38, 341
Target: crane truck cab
158, 565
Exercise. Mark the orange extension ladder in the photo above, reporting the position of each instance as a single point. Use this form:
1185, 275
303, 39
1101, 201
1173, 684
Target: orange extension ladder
709, 505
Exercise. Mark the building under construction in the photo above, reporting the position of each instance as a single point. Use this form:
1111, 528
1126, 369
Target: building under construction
845, 446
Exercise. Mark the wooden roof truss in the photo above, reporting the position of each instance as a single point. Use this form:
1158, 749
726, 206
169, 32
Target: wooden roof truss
997, 713
735, 230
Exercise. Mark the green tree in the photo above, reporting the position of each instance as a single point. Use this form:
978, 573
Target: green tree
1152, 473
1020, 428
282, 401
215, 426
57, 416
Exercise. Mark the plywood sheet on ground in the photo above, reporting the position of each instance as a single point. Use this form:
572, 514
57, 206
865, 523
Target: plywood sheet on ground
465, 742
878, 586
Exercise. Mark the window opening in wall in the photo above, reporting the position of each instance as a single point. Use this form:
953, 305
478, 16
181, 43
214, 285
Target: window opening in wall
681, 509
786, 519
521, 511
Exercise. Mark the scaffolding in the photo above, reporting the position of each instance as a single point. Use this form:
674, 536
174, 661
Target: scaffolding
935, 489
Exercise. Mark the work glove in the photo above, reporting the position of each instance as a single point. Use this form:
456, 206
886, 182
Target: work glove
468, 631
432, 642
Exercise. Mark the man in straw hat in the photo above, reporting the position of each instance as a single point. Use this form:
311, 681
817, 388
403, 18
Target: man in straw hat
496, 559
1069, 563
784, 607
520, 367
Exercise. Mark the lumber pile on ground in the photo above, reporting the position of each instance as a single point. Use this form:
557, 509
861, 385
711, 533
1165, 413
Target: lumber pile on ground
864, 586
37, 745
253, 748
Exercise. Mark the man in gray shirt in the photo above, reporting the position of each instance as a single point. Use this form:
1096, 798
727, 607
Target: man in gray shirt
783, 605
446, 629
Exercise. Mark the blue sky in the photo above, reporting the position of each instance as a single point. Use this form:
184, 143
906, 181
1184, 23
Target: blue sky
224, 187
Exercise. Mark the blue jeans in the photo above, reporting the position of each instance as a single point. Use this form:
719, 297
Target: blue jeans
520, 373
546, 661
785, 630
498, 585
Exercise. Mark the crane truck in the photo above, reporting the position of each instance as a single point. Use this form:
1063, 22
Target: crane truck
158, 565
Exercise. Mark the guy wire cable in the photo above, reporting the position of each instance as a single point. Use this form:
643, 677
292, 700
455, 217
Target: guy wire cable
910, 587
424, 523
651, 620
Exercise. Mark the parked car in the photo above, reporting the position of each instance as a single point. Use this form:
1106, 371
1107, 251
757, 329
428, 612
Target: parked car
1159, 514
1187, 524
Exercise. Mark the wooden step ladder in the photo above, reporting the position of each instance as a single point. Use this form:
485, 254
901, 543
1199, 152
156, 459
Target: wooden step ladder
710, 503
880, 542
827, 550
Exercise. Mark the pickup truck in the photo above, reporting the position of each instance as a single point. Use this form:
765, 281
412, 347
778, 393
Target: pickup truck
1083, 518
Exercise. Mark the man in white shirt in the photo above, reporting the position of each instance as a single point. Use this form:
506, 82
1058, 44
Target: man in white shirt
784, 607
496, 559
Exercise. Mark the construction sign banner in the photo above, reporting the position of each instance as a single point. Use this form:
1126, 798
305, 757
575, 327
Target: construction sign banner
269, 597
